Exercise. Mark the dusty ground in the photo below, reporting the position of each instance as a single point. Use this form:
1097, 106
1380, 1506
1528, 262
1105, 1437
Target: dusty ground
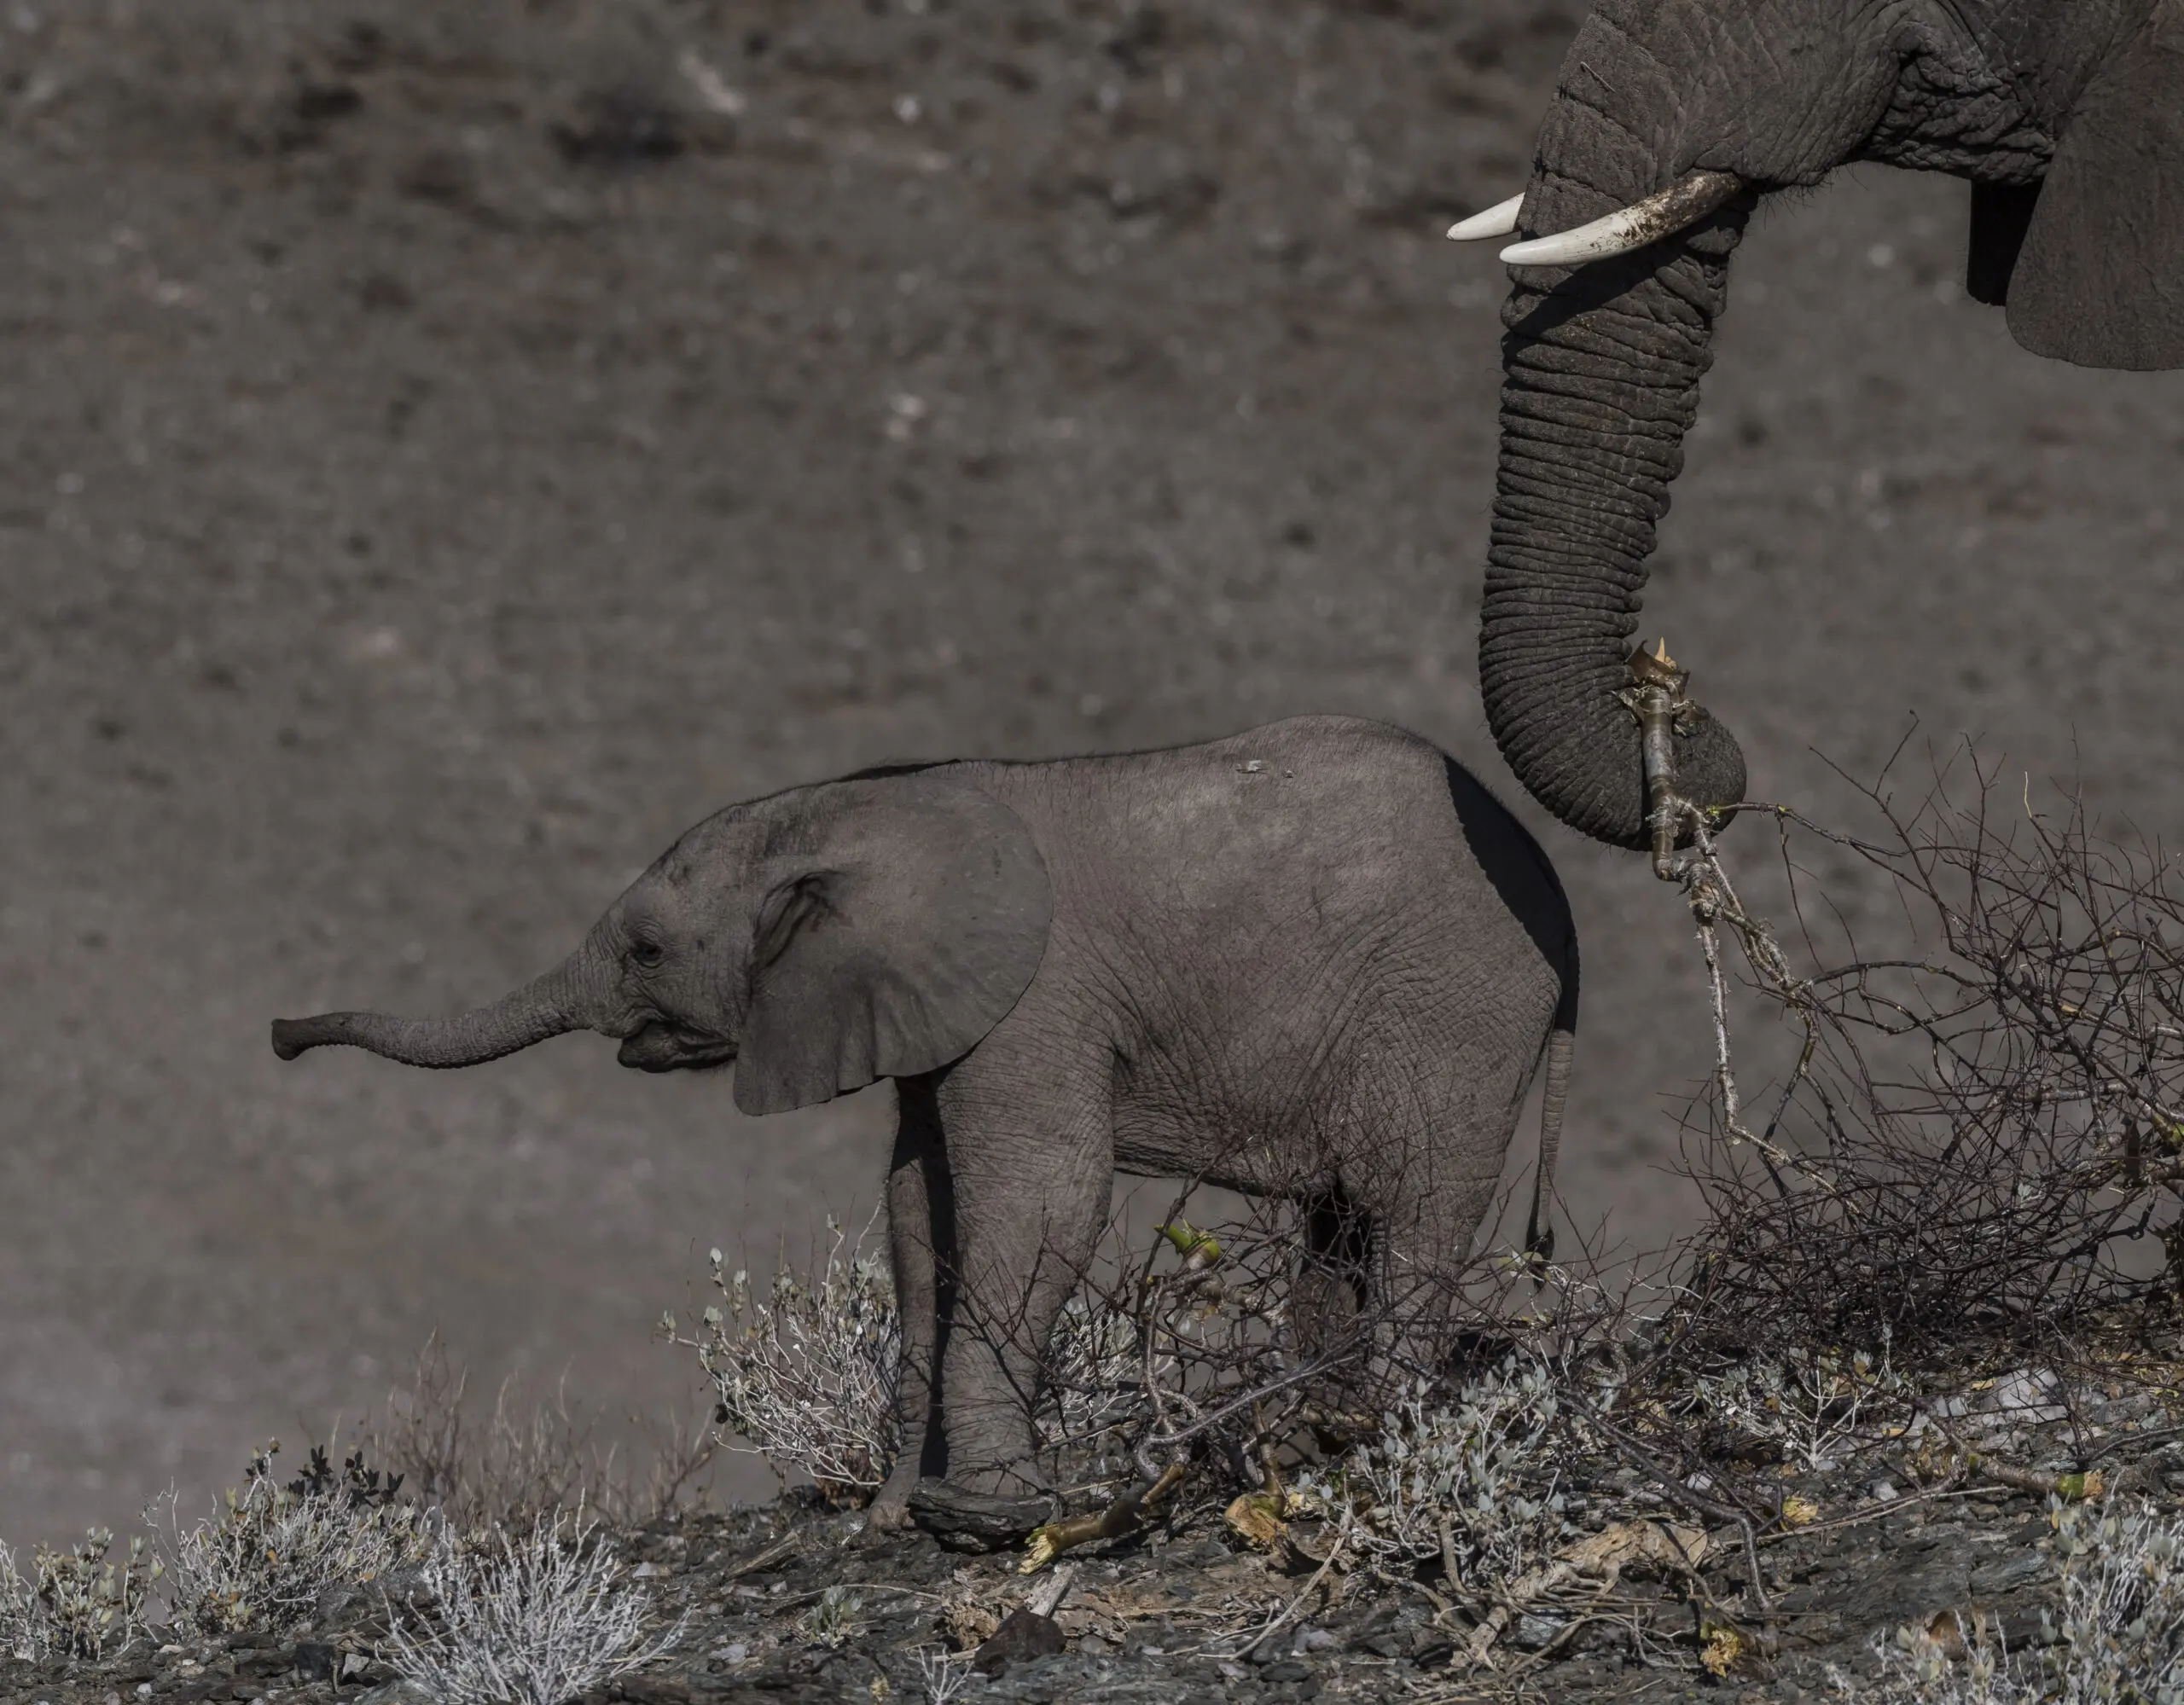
443, 452
792, 1602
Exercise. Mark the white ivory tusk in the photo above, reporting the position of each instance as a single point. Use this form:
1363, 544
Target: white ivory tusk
1497, 221
1660, 215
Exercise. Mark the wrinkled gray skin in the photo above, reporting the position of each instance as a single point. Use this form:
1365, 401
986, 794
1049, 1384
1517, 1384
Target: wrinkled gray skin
2067, 115
1315, 960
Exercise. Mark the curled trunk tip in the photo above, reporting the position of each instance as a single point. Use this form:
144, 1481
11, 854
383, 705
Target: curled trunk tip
291, 1036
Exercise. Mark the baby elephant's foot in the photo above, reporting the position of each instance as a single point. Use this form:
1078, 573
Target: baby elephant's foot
888, 1513
965, 1520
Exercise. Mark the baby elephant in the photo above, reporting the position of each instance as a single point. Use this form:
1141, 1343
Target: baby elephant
1317, 960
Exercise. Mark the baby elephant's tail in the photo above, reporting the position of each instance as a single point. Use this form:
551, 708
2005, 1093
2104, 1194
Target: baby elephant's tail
1539, 1235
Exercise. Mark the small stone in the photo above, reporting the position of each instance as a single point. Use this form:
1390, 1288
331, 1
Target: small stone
1322, 1640
316, 1661
1023, 1636
2003, 1577
2027, 1397
1230, 1670
1091, 1646
1532, 1631
1882, 1490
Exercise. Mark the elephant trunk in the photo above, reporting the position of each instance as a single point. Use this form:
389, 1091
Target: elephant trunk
1601, 369
552, 1005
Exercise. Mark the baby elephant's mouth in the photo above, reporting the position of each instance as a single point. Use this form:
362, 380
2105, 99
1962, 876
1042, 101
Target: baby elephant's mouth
661, 1047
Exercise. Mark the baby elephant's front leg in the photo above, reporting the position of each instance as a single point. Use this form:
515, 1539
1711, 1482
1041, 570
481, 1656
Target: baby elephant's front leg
1030, 1164
920, 1233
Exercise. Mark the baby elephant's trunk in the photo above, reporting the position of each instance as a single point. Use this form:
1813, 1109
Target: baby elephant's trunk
531, 1014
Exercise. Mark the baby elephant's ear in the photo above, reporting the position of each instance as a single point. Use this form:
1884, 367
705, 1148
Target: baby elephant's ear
910, 918
2101, 278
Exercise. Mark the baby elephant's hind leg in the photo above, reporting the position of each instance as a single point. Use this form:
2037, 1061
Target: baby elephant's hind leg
1333, 1272
1417, 1201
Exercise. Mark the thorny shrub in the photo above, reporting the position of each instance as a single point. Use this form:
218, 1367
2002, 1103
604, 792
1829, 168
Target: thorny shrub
1983, 1104
530, 1619
262, 1563
1466, 1481
77, 1603
1183, 1347
806, 1371
2118, 1641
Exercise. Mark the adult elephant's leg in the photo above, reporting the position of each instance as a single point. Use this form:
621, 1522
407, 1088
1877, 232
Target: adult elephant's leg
920, 1234
1031, 1160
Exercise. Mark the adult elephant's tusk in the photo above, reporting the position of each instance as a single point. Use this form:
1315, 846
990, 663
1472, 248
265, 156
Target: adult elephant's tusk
1497, 221
1661, 215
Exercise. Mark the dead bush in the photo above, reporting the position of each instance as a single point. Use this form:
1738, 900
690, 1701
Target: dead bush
532, 1455
1985, 1105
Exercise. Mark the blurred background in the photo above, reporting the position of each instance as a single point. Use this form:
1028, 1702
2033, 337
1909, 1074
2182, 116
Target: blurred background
445, 451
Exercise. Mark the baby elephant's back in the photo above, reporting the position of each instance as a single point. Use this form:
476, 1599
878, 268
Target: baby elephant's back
1348, 851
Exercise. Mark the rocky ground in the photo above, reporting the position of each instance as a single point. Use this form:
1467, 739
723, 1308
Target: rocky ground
790, 1600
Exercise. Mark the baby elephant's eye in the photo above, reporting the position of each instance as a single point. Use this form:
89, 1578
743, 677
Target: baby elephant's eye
648, 955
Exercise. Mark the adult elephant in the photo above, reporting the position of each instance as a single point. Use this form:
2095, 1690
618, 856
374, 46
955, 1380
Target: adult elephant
1672, 117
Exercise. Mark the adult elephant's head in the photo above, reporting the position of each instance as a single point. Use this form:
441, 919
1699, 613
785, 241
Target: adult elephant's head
1673, 117
818, 939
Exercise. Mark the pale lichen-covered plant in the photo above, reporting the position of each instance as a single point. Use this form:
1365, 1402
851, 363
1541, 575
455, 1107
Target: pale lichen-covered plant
263, 1564
1812, 1405
76, 1602
2119, 1639
806, 1373
1460, 1481
530, 1621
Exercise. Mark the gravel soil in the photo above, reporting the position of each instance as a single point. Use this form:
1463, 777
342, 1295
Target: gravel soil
1190, 1611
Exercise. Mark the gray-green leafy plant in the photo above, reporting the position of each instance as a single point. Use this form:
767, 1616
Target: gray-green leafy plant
837, 1617
263, 1563
76, 1602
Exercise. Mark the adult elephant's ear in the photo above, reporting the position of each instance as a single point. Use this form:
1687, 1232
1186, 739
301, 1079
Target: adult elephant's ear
905, 918
2101, 278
